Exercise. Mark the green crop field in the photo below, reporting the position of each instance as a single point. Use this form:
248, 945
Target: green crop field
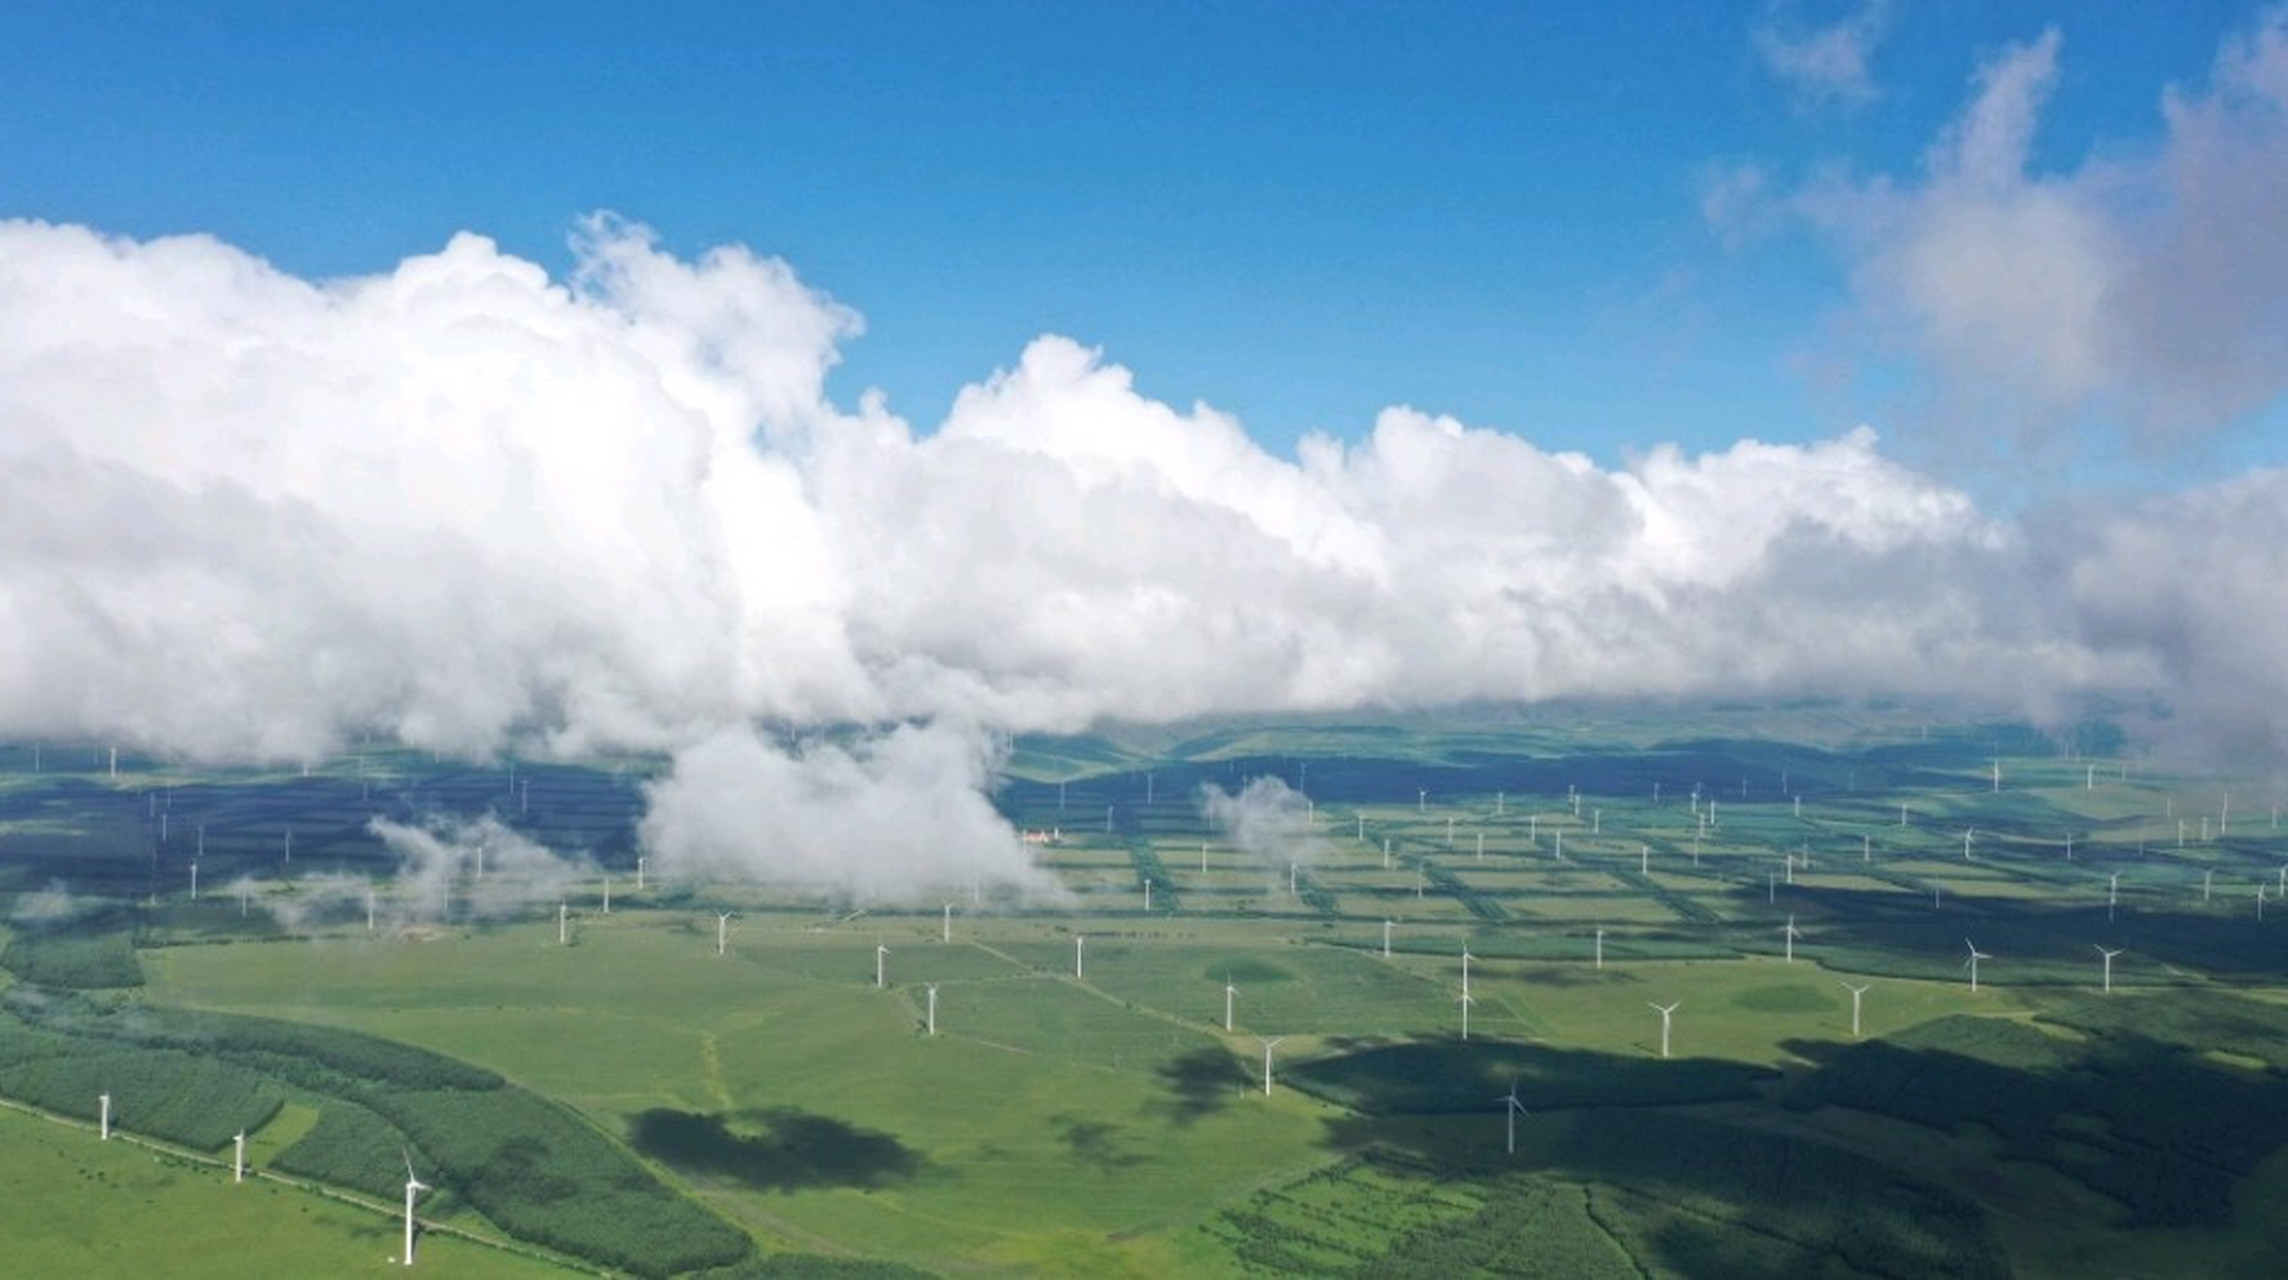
1054, 1090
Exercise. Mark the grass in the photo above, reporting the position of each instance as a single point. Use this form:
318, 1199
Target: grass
77, 1206
1109, 1125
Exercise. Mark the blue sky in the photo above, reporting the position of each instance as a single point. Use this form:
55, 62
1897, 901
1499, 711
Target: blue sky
1298, 212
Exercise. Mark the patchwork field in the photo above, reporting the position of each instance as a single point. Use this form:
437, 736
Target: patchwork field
712, 1078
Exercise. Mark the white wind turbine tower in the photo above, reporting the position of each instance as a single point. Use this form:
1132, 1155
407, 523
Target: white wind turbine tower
413, 1187
2107, 957
563, 924
639, 873
103, 1117
722, 931
1966, 834
1466, 1003
1789, 933
1513, 1109
1229, 991
2112, 893
1856, 993
1080, 951
1666, 1012
607, 895
1975, 956
1386, 939
1600, 948
945, 930
238, 1157
932, 1016
1466, 958
881, 960
1268, 1044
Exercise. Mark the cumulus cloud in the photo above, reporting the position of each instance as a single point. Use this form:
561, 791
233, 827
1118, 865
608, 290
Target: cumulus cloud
465, 506
2143, 286
901, 818
1823, 64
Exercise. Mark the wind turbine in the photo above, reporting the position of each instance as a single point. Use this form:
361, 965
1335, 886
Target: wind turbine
1467, 1001
1267, 1046
1512, 1110
413, 1187
2112, 893
1466, 958
945, 930
639, 873
1386, 939
607, 895
881, 961
1600, 948
103, 1117
1080, 945
2107, 957
1966, 834
1229, 991
722, 930
238, 1157
1856, 992
1975, 956
932, 1009
563, 924
1666, 1012
1790, 933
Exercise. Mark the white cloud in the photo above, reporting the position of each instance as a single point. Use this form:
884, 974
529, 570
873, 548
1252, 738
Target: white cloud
1822, 64
478, 869
2141, 288
901, 818
465, 506
1268, 820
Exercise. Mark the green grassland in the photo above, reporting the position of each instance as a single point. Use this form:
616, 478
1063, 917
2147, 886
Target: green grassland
782, 1113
